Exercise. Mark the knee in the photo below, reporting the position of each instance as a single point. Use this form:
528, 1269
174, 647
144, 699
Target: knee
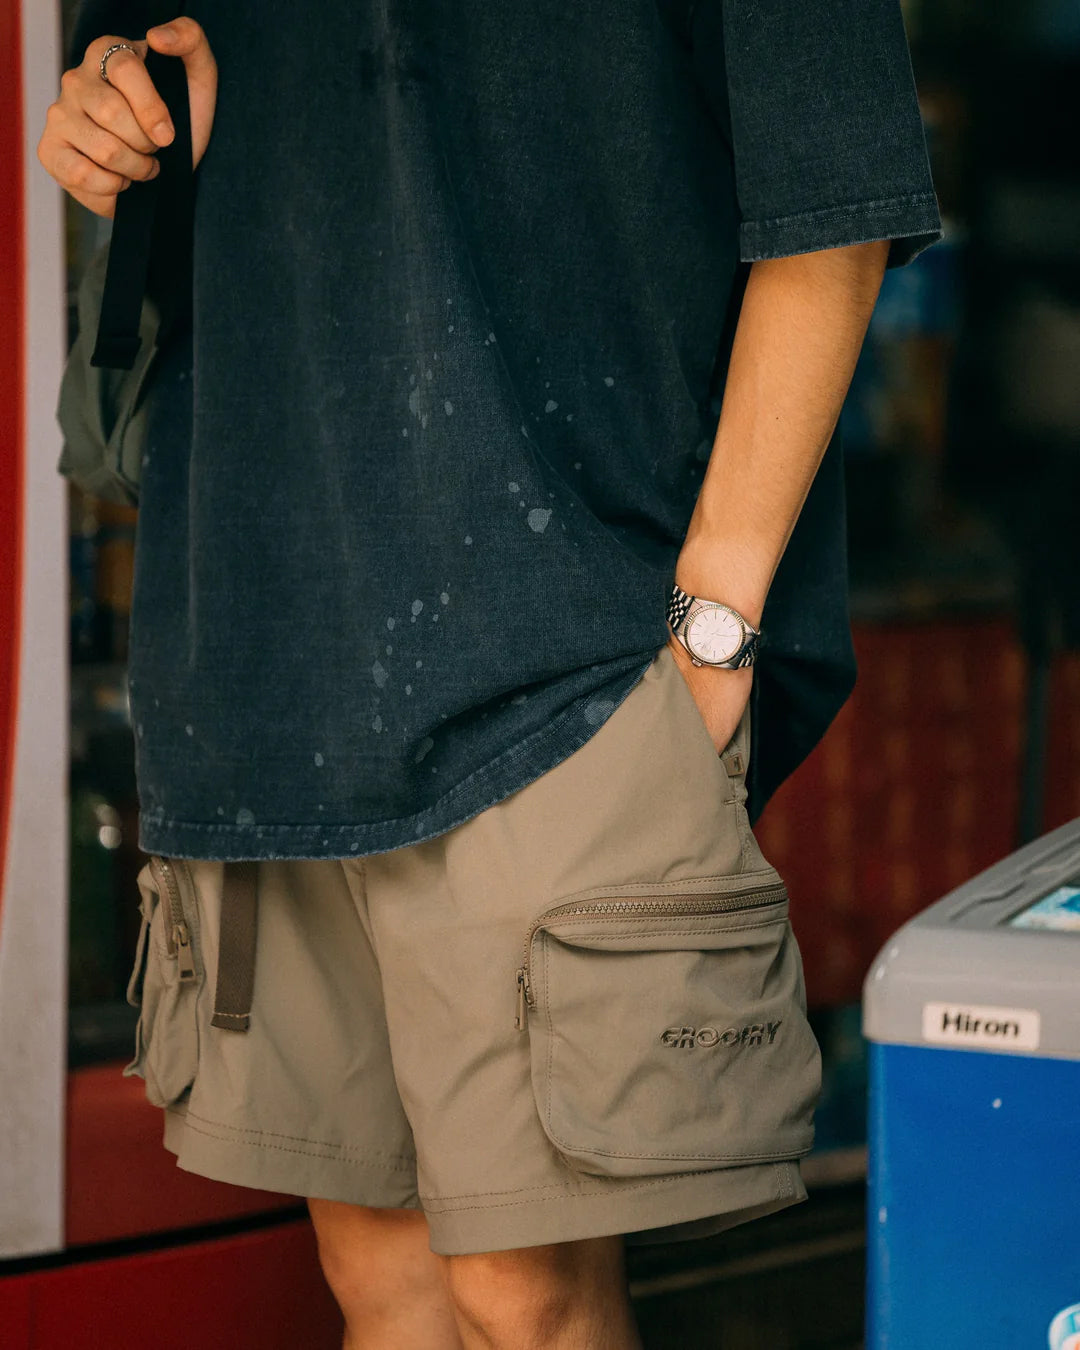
369, 1255
516, 1298
343, 1270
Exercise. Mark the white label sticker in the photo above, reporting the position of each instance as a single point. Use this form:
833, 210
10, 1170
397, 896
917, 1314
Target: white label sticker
973, 1024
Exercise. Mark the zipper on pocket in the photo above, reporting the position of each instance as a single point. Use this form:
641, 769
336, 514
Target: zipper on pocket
177, 933
523, 999
756, 897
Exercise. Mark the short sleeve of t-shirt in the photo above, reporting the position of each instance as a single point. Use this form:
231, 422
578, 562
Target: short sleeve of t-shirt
819, 105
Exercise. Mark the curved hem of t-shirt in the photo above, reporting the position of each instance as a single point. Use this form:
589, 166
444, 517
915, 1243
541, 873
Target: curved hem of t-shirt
911, 223
511, 770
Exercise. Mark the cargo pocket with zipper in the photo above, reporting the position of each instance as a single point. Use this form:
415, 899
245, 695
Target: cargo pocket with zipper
165, 982
667, 1027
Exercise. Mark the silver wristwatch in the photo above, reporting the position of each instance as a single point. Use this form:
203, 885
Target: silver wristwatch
713, 634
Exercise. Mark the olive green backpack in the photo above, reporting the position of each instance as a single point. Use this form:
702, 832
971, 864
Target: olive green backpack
134, 297
103, 410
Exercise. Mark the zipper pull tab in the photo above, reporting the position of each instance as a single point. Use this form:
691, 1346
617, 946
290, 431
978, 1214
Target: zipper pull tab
522, 1018
185, 959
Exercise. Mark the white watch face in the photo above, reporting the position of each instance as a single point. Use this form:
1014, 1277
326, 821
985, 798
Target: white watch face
714, 634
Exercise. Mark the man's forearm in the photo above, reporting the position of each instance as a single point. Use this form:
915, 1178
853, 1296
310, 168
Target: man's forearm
802, 322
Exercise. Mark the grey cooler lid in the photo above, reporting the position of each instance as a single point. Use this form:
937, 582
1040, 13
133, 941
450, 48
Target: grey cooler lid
969, 974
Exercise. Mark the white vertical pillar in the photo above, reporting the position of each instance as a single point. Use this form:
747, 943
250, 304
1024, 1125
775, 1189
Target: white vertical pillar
33, 888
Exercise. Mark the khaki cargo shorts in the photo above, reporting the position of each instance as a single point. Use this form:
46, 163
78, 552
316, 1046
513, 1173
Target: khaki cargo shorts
579, 1013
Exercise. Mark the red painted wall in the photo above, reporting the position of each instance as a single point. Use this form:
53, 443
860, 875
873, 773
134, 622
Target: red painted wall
12, 390
256, 1291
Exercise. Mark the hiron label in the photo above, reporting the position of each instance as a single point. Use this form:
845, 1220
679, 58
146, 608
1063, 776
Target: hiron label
973, 1024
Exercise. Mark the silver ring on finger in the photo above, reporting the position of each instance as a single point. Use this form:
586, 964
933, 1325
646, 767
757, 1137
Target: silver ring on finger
116, 47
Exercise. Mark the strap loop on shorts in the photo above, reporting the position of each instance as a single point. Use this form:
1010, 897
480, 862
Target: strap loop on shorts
734, 755
236, 947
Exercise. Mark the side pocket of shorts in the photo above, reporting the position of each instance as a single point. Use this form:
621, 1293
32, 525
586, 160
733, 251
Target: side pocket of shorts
165, 982
667, 1027
689, 729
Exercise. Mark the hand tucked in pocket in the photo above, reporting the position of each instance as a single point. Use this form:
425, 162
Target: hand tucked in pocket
721, 695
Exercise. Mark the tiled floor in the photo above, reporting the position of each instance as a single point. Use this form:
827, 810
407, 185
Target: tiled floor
793, 1281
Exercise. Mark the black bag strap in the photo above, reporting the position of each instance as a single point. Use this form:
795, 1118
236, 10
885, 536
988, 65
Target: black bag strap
150, 251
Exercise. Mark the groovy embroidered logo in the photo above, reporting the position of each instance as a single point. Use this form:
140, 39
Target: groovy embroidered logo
686, 1038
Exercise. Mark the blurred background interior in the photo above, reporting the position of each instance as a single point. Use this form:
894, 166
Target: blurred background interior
962, 437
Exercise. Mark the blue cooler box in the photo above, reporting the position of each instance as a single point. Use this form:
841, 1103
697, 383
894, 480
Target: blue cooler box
972, 1011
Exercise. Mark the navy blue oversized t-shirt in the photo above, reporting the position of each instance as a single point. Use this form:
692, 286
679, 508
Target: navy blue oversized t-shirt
465, 281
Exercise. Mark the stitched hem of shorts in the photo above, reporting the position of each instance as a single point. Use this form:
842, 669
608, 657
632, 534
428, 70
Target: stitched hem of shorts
288, 1143
911, 223
510, 771
244, 1158
660, 1209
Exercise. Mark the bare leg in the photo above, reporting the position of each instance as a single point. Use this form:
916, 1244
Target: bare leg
391, 1288
568, 1296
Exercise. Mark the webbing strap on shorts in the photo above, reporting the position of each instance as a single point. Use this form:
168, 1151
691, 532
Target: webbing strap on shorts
236, 947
